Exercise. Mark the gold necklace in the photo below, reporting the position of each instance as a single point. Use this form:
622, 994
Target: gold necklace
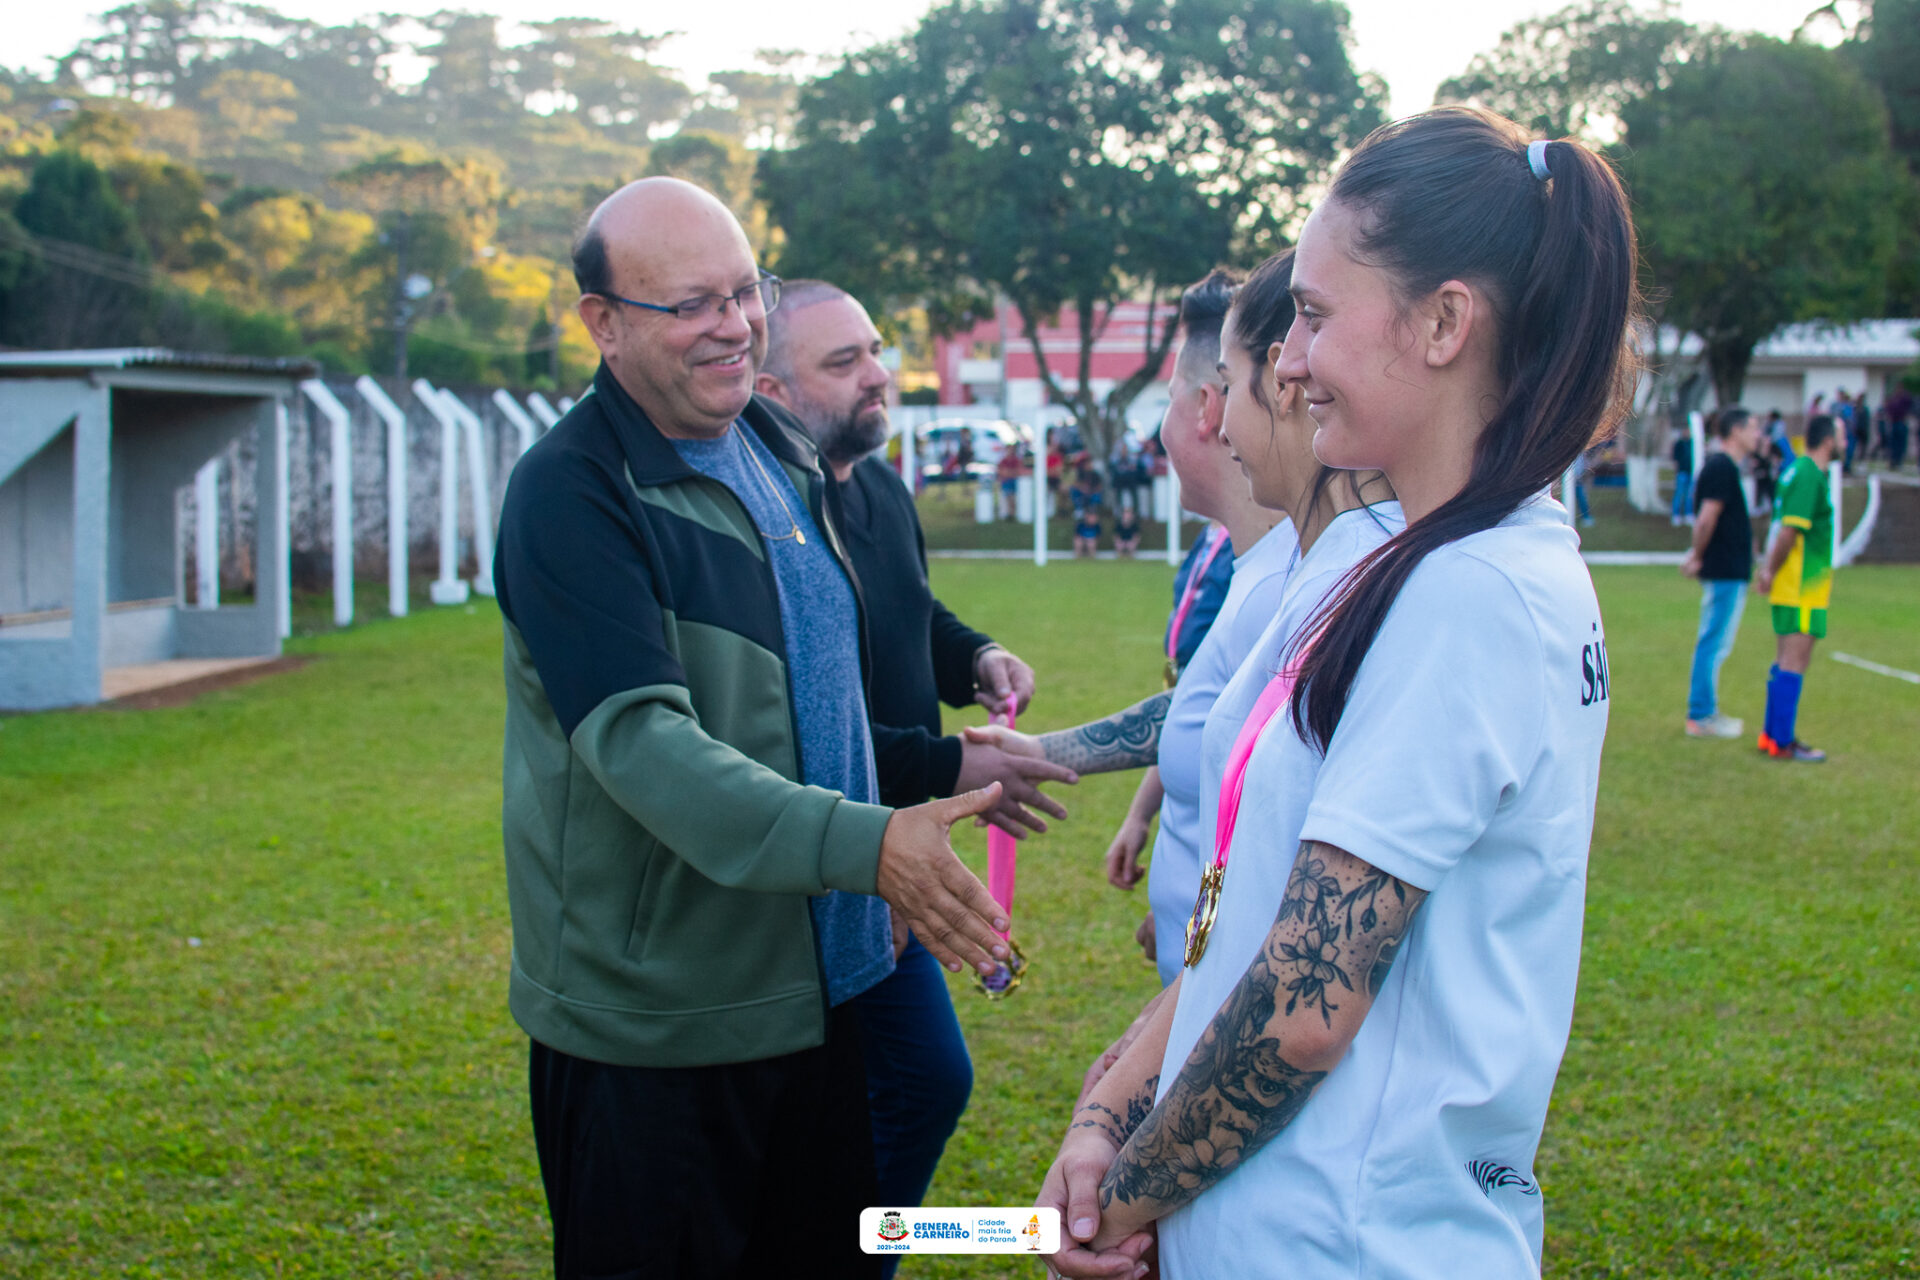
798, 537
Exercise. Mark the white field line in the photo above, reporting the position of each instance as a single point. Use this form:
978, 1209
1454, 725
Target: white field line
1878, 669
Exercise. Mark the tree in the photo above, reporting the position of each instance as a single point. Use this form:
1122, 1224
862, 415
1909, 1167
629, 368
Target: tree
87, 280
151, 49
1886, 49
603, 74
1764, 191
1568, 74
435, 216
1067, 154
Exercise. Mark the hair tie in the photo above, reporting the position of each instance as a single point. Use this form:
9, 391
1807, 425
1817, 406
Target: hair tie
1537, 160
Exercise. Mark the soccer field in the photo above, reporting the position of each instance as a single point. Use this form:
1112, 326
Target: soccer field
253, 956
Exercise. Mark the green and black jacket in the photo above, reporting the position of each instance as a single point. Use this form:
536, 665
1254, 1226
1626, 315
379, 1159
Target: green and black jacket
660, 850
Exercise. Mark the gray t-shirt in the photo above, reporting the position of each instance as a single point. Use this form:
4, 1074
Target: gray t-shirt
821, 624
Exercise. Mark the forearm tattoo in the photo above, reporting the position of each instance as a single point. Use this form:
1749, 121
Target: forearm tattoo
1339, 921
1129, 739
1096, 1115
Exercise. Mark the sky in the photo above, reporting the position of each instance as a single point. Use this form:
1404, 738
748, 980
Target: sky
1414, 44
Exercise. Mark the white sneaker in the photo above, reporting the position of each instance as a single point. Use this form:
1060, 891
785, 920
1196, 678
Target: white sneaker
1716, 726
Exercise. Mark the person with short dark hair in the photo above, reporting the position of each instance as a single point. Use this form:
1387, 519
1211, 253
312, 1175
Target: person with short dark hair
1798, 579
1722, 558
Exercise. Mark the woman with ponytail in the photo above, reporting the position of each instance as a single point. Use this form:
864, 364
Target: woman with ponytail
1368, 1038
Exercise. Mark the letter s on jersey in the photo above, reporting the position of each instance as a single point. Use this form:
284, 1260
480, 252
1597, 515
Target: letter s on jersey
1594, 680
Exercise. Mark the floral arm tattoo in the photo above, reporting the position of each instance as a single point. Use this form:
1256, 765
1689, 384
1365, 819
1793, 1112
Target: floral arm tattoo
1127, 739
1333, 941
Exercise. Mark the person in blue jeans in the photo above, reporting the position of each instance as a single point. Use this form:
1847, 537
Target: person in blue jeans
1682, 477
1722, 558
823, 362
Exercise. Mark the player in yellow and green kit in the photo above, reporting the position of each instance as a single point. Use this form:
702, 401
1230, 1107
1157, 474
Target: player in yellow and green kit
1798, 578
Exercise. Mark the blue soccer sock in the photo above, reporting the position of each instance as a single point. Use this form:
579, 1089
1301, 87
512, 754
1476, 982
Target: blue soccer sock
1783, 705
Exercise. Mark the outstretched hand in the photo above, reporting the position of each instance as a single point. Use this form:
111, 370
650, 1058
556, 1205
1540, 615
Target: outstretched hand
929, 888
1019, 777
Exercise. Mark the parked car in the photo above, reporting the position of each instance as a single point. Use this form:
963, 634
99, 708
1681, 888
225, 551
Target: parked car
941, 444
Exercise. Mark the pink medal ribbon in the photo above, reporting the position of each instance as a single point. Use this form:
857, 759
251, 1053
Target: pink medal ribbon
1001, 858
1207, 905
1187, 594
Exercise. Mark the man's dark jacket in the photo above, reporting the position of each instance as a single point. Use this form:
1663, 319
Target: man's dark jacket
921, 654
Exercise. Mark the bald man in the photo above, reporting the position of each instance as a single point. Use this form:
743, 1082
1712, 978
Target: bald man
698, 873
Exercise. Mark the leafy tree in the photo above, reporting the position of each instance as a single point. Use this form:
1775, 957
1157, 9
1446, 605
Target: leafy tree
87, 281
1886, 49
471, 76
719, 164
251, 106
152, 49
755, 106
1067, 154
1764, 191
171, 213
1568, 74
435, 216
603, 73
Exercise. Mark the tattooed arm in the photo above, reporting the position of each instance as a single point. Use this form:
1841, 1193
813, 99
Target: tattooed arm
1283, 1028
1127, 739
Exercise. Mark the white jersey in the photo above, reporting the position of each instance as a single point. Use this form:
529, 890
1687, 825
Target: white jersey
1173, 874
1466, 764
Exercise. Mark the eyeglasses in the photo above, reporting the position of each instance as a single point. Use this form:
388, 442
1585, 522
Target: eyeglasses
753, 301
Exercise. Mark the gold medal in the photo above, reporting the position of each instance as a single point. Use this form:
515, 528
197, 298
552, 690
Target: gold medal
1005, 979
1205, 907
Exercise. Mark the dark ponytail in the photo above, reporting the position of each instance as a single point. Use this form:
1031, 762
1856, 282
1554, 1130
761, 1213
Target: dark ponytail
1450, 194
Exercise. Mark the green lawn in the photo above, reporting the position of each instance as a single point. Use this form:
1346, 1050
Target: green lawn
252, 961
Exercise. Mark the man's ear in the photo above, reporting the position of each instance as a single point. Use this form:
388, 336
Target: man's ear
772, 388
598, 315
1448, 319
1213, 409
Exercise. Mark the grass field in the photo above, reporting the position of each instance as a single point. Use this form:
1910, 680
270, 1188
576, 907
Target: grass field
253, 951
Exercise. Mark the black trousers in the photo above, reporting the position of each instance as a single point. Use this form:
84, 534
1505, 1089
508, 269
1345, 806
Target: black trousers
744, 1170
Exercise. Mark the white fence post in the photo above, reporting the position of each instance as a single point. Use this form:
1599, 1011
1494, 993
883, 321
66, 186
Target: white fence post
447, 588
479, 489
542, 410
1834, 489
566, 404
1172, 516
510, 410
206, 535
1697, 437
283, 517
1569, 495
909, 459
341, 446
1042, 506
397, 534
